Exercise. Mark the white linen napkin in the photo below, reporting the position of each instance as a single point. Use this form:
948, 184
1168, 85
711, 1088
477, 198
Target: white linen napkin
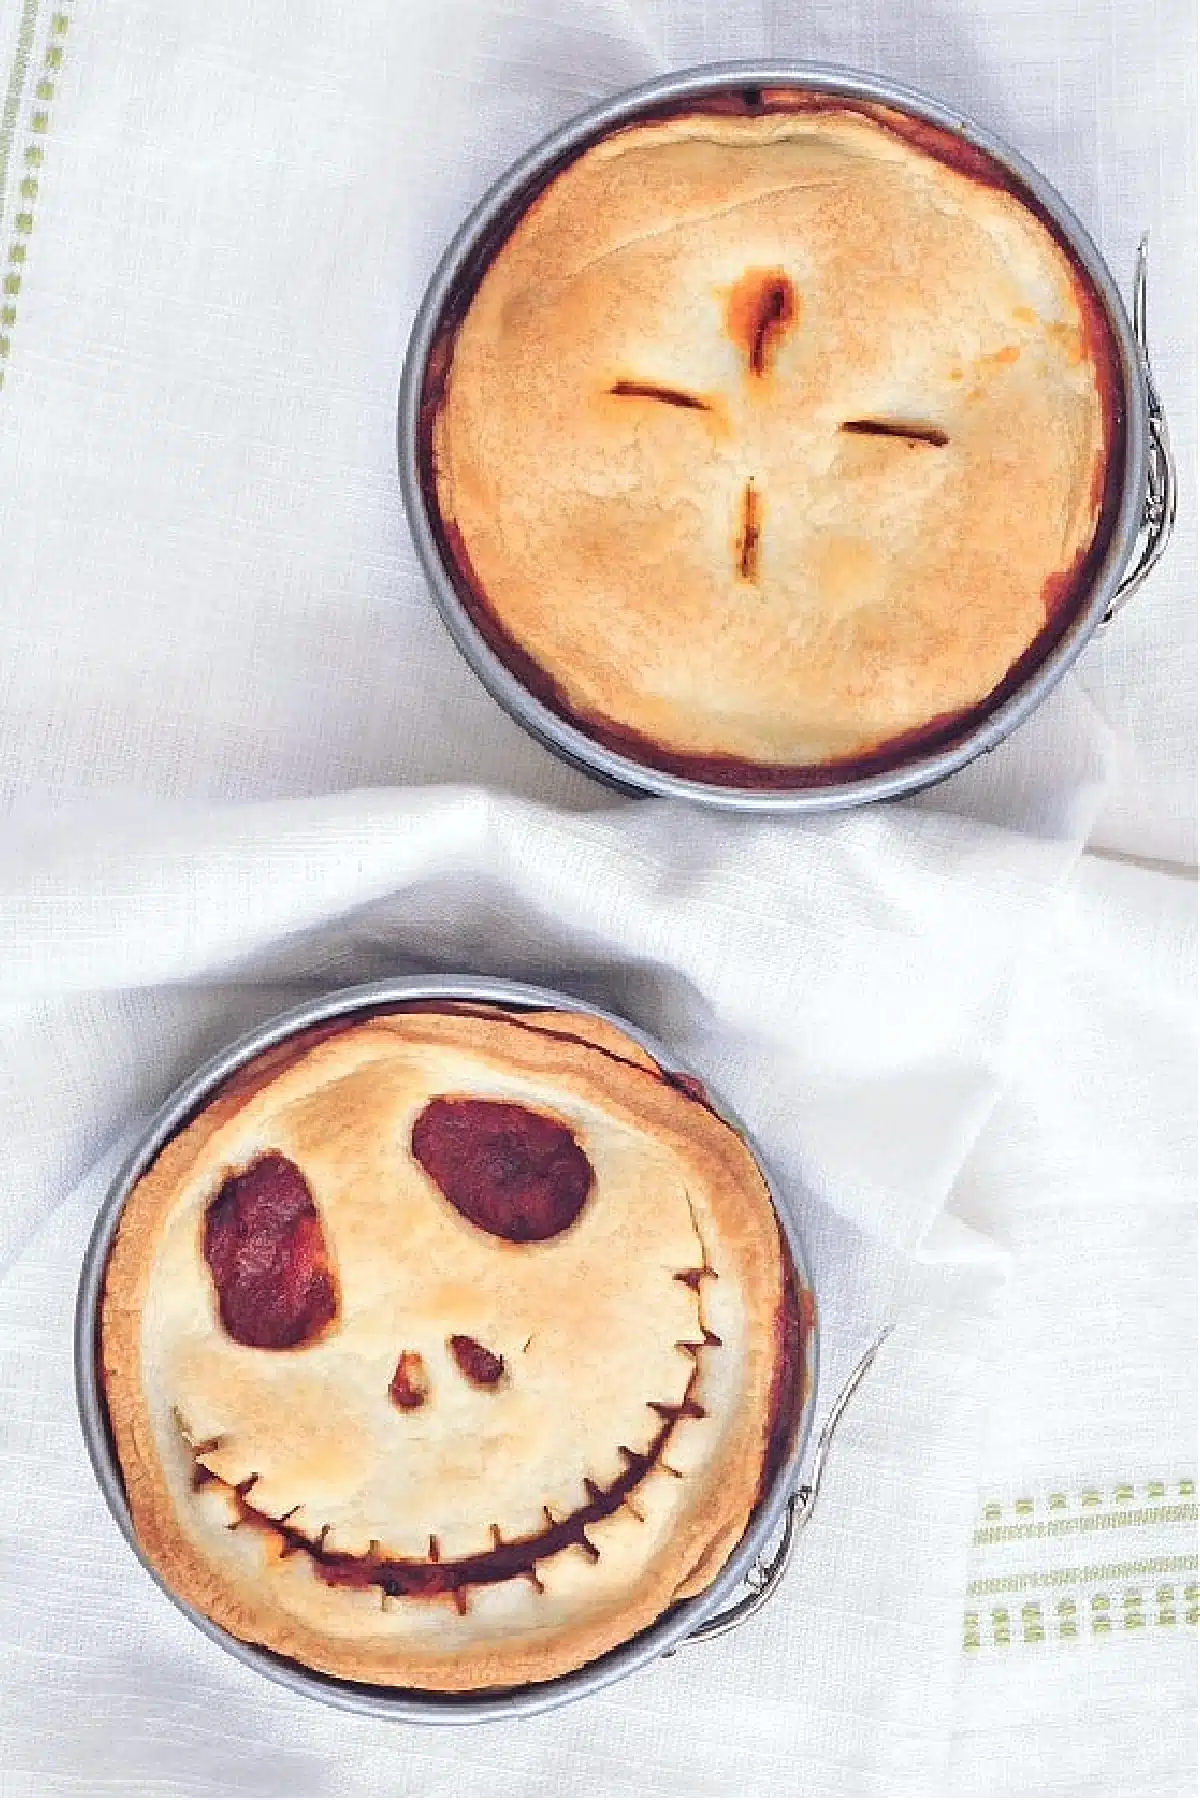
244, 763
1079, 1631
847, 983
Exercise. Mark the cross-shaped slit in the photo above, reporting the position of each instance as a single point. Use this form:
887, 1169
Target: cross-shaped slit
653, 390
897, 428
750, 537
763, 307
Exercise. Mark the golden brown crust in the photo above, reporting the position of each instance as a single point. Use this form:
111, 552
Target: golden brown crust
585, 1028
654, 453
165, 1370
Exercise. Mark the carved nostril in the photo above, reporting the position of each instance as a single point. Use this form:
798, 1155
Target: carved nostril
481, 1366
409, 1386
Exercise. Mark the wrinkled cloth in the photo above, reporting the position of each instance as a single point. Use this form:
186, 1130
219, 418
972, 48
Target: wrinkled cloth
241, 764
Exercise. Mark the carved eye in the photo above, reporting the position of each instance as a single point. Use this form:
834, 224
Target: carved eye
510, 1171
266, 1253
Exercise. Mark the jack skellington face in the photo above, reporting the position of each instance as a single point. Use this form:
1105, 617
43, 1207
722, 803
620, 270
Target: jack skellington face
444, 1351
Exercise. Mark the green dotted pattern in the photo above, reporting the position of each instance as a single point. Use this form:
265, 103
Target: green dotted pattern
1125, 1494
1121, 1610
1116, 1598
25, 180
14, 91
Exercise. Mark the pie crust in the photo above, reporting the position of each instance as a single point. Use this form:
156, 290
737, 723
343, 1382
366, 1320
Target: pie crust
773, 441
486, 1461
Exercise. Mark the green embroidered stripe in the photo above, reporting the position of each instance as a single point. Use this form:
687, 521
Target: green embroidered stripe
1124, 1494
1069, 1619
1182, 1514
32, 158
1125, 1596
1101, 1572
15, 89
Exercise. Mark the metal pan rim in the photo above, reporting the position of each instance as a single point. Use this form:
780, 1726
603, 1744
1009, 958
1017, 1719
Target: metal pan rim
569, 742
412, 1706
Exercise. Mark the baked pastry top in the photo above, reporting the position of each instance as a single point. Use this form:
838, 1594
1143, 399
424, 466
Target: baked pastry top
770, 444
448, 1349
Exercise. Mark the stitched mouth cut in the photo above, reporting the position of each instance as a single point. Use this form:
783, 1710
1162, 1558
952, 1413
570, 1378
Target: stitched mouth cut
431, 1577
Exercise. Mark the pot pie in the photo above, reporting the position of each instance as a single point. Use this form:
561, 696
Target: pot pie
773, 440
449, 1349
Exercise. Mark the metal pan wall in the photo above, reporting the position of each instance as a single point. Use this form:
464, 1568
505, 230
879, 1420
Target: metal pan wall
459, 271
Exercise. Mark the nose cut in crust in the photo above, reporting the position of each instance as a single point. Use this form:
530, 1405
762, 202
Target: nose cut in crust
409, 1386
481, 1366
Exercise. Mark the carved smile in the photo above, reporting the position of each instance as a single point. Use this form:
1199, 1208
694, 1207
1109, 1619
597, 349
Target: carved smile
431, 1577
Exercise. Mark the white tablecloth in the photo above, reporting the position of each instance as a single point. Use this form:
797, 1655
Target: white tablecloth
241, 762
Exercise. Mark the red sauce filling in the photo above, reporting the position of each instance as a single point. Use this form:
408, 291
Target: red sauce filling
1065, 593
510, 1171
266, 1253
481, 1366
762, 308
690, 1086
409, 1386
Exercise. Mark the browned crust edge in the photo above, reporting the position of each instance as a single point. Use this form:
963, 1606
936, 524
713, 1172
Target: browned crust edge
1066, 593
698, 1548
